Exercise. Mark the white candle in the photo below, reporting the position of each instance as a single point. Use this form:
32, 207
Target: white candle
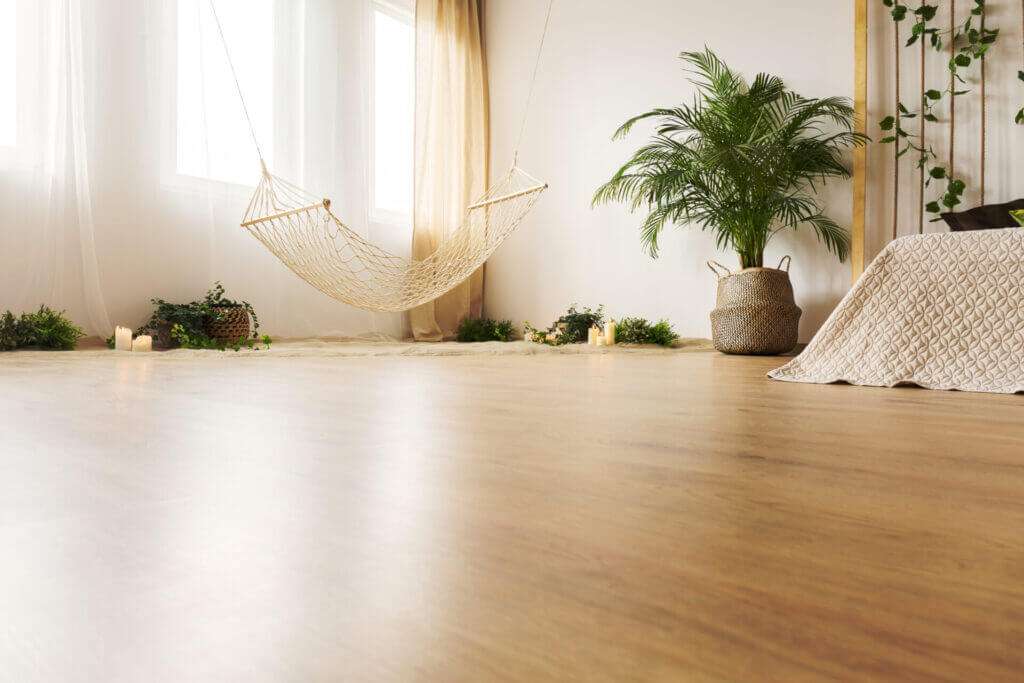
592, 335
600, 339
142, 343
609, 332
122, 339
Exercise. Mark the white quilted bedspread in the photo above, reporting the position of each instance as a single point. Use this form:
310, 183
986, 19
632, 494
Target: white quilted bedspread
943, 311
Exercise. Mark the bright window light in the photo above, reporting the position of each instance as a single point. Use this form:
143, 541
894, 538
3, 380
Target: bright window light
393, 101
213, 139
8, 74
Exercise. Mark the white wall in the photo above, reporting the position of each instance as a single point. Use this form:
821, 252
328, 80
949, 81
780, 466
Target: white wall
604, 61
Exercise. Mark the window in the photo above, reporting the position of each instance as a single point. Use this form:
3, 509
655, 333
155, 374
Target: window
213, 139
394, 54
8, 74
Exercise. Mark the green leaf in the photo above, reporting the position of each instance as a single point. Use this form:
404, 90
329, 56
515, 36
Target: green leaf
887, 140
937, 172
962, 60
933, 94
931, 118
899, 12
932, 207
1020, 117
957, 186
887, 123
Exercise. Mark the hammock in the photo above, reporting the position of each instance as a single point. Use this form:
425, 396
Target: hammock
305, 234
316, 245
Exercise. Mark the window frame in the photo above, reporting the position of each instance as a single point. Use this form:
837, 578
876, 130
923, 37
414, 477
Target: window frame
404, 11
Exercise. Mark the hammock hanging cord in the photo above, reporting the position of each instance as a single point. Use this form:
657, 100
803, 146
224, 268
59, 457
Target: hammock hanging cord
305, 234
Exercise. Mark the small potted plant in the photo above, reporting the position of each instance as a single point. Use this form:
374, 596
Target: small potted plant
215, 322
228, 320
743, 162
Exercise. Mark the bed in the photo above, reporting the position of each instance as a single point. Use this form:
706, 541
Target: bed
942, 311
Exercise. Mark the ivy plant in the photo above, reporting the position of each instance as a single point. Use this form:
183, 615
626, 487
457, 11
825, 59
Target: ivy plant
190, 320
971, 41
570, 328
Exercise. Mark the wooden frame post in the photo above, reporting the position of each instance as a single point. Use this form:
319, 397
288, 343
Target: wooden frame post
860, 154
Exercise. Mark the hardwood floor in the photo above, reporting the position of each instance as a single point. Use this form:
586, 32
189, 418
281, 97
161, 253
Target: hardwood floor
591, 518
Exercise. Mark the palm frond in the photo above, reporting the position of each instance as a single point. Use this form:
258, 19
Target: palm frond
740, 162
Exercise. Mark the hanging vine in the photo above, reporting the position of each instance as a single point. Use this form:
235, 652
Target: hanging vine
969, 43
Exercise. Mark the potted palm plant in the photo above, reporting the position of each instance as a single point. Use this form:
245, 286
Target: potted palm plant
744, 162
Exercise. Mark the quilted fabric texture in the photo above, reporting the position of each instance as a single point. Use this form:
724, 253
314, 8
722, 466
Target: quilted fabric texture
943, 311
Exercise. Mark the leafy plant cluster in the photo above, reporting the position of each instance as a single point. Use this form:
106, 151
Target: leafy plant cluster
571, 328
187, 322
485, 330
971, 41
639, 331
186, 340
741, 161
45, 329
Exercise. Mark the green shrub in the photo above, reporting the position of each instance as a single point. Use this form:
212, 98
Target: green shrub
639, 331
11, 332
662, 334
631, 331
45, 329
485, 330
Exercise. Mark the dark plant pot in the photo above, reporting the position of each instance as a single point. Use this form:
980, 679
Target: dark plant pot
756, 313
162, 336
231, 324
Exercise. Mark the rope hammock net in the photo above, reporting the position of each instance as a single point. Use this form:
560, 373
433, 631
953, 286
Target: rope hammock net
316, 245
305, 234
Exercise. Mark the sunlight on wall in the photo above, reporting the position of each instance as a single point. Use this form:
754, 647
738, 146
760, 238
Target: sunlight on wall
8, 79
213, 139
393, 85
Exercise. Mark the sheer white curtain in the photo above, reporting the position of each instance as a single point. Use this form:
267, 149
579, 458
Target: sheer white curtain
130, 164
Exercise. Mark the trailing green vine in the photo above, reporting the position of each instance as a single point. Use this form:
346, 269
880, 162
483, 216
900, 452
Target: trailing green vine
971, 41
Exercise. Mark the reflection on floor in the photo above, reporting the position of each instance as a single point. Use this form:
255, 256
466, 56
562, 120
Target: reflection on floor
618, 517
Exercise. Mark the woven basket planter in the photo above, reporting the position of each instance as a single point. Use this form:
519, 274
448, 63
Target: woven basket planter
756, 314
232, 325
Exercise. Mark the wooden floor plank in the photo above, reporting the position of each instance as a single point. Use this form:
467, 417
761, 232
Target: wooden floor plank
601, 518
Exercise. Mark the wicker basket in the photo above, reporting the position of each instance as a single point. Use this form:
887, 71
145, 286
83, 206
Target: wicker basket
232, 324
756, 313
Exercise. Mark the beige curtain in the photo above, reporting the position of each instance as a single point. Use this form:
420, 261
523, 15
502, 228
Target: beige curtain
451, 143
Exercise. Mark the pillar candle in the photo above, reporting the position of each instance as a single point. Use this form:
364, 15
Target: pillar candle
142, 343
600, 339
592, 335
609, 332
122, 339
